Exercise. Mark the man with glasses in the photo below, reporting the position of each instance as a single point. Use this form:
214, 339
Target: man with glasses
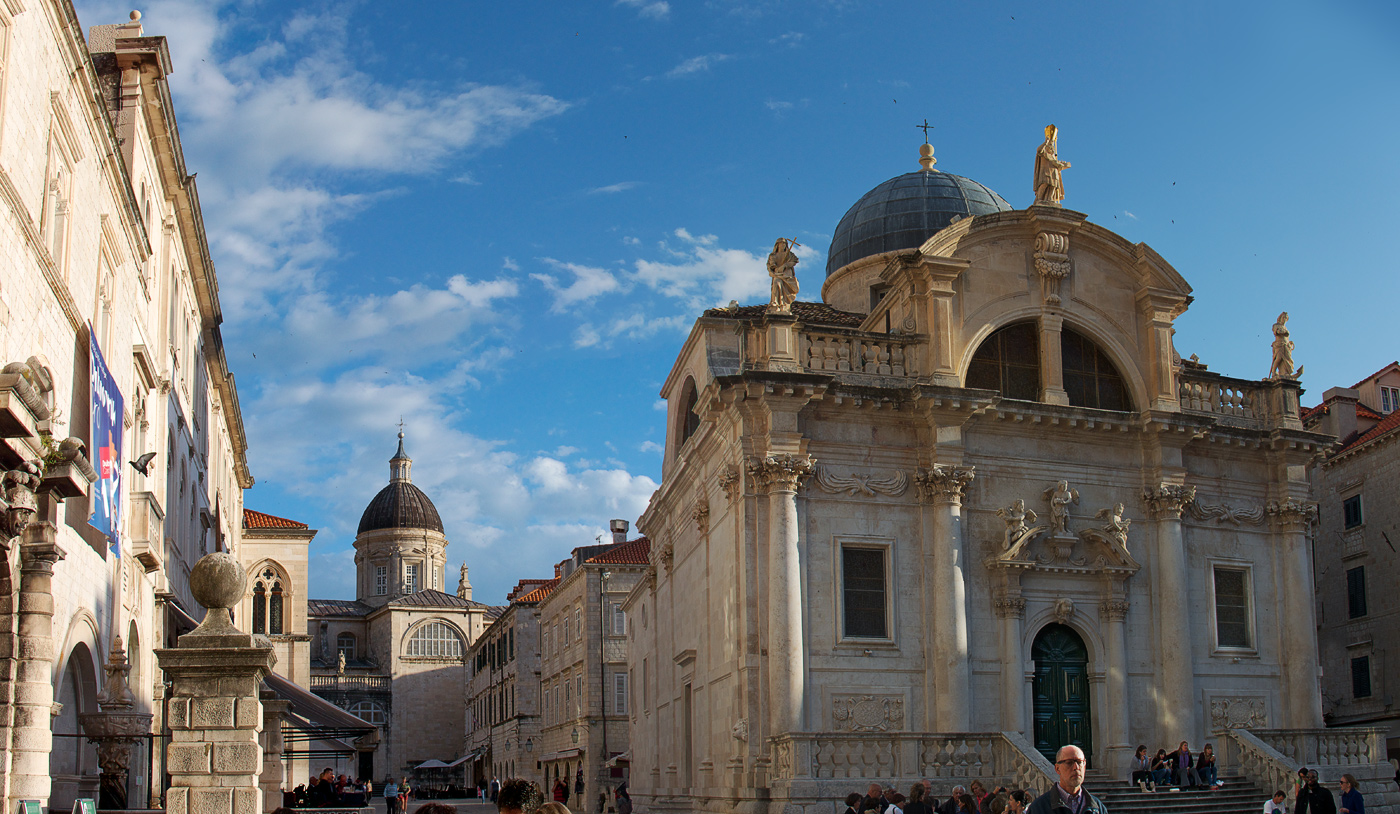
1068, 794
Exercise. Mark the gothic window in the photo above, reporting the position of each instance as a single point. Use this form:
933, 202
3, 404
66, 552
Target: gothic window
259, 608
1233, 628
435, 640
369, 711
381, 580
1091, 380
1009, 362
863, 593
274, 609
345, 645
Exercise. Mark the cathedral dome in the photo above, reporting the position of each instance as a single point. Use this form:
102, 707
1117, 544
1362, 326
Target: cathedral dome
400, 505
905, 211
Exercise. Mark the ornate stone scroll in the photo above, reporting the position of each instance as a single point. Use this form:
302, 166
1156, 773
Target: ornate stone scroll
1239, 712
943, 482
1168, 500
1051, 263
780, 471
1225, 513
859, 483
867, 713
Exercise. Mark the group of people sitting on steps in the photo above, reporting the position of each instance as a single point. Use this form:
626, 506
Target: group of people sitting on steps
1179, 769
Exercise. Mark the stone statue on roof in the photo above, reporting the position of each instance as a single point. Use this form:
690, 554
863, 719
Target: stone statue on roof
1282, 368
782, 265
1049, 186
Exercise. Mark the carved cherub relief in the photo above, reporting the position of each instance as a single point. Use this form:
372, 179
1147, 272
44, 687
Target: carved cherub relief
1018, 519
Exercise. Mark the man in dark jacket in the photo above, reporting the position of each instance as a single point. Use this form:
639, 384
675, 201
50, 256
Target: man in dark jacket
1316, 798
1068, 795
872, 801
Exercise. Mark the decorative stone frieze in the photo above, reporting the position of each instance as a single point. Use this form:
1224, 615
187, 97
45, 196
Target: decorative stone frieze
1167, 501
1051, 263
780, 472
867, 713
860, 483
942, 483
1222, 513
1238, 712
1292, 514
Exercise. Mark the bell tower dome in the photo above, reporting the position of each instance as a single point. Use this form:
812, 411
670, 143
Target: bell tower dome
400, 547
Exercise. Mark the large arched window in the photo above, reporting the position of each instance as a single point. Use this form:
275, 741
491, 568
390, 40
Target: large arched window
369, 711
1009, 362
345, 645
689, 420
435, 640
1091, 380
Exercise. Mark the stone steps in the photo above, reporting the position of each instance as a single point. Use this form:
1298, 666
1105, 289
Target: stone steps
1237, 796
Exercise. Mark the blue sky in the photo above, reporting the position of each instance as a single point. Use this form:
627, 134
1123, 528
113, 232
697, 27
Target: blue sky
499, 220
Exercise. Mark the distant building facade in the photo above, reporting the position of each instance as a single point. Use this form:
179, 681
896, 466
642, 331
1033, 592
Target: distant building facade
1354, 559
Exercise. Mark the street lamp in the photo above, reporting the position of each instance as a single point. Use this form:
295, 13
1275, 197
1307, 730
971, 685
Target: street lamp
574, 736
529, 744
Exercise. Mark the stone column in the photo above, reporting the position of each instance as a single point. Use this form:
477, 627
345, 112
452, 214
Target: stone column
33, 700
271, 777
1114, 612
115, 729
214, 758
1176, 705
1302, 699
1052, 372
1011, 613
780, 475
944, 486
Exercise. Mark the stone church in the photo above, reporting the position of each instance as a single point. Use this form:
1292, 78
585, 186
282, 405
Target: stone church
969, 507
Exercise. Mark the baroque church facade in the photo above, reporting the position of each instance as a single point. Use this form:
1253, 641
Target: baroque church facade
969, 507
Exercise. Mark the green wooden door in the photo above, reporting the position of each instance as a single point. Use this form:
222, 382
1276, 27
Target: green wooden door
1061, 691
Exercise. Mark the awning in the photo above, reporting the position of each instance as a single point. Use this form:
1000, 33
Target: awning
459, 761
562, 754
431, 764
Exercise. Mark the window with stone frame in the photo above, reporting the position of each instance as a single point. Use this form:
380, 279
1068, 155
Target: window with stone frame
345, 645
619, 619
689, 419
1356, 592
274, 609
381, 580
411, 579
55, 222
259, 608
1233, 627
864, 597
435, 640
1351, 512
1361, 677
619, 694
369, 711
1008, 361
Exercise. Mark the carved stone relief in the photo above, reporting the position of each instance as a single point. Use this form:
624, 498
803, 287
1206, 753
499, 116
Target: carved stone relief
1225, 513
779, 471
1290, 513
1064, 610
860, 483
1168, 500
1052, 264
1017, 517
701, 514
729, 481
867, 713
943, 482
1239, 712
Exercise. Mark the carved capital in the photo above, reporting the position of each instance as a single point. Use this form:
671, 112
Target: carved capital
1168, 500
782, 473
729, 481
700, 513
943, 484
1010, 607
1114, 610
1292, 514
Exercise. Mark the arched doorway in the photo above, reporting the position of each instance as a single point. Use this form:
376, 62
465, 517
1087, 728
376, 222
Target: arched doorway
1060, 691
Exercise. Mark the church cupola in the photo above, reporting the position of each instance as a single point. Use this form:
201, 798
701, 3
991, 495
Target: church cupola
400, 465
400, 546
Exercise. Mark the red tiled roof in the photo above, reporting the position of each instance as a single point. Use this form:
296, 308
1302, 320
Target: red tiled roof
1388, 424
262, 520
634, 552
815, 312
539, 593
1374, 375
1362, 411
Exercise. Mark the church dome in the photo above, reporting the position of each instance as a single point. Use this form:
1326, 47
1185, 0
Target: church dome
905, 211
400, 505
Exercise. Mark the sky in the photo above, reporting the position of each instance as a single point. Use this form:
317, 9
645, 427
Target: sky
498, 221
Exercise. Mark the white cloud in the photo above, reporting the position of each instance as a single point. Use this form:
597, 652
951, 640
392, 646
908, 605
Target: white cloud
777, 106
791, 39
564, 452
651, 446
706, 274
621, 186
509, 264
1130, 214
648, 9
586, 336
631, 241
697, 64
465, 178
659, 405
589, 282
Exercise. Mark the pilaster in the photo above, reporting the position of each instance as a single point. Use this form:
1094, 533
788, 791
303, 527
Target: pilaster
1289, 520
942, 488
1176, 711
32, 736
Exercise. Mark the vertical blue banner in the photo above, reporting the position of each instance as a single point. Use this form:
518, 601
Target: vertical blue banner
106, 447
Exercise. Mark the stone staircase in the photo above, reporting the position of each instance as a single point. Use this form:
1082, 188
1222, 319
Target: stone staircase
1237, 796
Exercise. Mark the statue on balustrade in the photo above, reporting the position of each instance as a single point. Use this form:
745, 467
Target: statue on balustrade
782, 264
1282, 367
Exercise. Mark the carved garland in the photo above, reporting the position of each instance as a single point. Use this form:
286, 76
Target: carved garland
859, 483
1225, 513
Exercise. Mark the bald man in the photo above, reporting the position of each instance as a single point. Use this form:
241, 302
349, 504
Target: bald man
1068, 796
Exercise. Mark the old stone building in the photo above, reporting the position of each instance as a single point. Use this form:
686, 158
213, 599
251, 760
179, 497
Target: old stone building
970, 507
1358, 492
109, 338
396, 655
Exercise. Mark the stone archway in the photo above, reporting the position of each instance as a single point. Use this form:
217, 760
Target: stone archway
1061, 709
73, 763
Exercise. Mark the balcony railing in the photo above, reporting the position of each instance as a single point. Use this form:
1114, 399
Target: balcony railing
147, 525
858, 352
992, 757
1235, 400
350, 683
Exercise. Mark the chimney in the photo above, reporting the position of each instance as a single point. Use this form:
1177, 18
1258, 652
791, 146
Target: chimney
619, 530
1341, 412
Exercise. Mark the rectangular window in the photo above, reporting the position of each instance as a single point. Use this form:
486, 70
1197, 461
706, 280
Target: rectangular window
381, 580
619, 619
411, 582
863, 593
619, 693
568, 631
568, 692
1351, 512
1390, 399
646, 686
1361, 677
1232, 608
578, 689
1356, 592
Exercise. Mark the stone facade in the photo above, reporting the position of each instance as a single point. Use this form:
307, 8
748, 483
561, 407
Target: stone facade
1358, 491
103, 238
973, 503
503, 690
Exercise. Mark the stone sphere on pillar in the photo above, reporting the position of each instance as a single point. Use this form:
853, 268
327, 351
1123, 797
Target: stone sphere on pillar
218, 580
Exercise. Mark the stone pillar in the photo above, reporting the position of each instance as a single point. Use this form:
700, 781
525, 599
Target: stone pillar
1176, 704
1011, 614
780, 475
1114, 612
215, 716
115, 729
33, 700
943, 486
271, 777
1302, 698
1052, 372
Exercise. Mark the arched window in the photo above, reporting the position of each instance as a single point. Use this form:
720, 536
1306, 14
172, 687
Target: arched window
368, 711
1009, 361
345, 645
689, 419
259, 608
274, 610
435, 640
1091, 380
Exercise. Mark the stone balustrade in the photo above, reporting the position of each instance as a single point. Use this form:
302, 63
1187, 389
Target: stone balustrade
1004, 758
1228, 398
350, 683
1348, 746
857, 352
1271, 758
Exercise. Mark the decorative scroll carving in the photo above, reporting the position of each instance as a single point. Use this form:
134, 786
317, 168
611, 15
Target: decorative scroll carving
867, 713
858, 483
1051, 263
782, 472
1015, 516
1290, 513
729, 481
1010, 607
1060, 497
1168, 500
701, 514
940, 483
1115, 610
1239, 712
1225, 513
1064, 610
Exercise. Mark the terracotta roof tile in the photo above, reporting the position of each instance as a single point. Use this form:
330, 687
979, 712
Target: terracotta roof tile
1389, 424
539, 593
262, 520
634, 552
811, 312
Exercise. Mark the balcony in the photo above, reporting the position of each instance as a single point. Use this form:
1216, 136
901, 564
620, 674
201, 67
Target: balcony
349, 683
147, 524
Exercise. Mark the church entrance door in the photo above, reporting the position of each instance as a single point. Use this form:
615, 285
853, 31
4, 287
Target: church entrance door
1061, 691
